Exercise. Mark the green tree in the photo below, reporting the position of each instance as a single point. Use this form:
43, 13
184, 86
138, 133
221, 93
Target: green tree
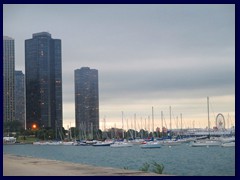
74, 132
98, 134
12, 126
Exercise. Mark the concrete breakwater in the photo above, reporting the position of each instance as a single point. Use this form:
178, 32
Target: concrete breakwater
28, 166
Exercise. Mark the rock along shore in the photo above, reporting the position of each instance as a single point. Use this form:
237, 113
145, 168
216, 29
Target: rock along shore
27, 166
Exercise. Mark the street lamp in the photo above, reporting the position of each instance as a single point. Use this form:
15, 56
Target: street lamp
34, 126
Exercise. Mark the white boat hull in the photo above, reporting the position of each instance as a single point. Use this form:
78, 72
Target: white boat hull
103, 144
227, 139
118, 145
205, 143
153, 145
230, 144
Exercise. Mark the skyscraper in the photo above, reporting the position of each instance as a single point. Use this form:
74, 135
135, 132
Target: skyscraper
20, 98
43, 68
8, 79
86, 99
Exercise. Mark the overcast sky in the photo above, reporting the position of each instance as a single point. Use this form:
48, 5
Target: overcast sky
147, 56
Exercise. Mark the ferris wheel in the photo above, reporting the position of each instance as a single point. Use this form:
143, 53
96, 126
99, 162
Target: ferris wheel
220, 121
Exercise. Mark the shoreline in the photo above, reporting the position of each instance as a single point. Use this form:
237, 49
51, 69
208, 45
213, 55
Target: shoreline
14, 165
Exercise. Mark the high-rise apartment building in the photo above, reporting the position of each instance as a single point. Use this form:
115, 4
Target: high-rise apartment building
8, 79
86, 99
43, 68
20, 98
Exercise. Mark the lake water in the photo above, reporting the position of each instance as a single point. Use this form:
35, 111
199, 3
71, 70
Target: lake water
180, 160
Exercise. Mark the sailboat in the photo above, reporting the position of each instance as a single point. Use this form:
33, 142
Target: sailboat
151, 144
103, 143
124, 143
121, 144
9, 140
206, 143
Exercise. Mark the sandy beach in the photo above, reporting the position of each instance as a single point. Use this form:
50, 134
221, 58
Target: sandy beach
28, 166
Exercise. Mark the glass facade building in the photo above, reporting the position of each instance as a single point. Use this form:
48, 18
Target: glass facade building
86, 99
20, 98
43, 68
8, 79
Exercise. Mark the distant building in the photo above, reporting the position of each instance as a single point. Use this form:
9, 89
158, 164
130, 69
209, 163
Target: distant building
86, 99
20, 98
8, 79
43, 68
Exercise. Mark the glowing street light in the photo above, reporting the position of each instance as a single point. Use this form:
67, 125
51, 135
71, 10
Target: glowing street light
34, 126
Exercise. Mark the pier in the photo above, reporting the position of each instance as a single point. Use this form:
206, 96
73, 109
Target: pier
28, 166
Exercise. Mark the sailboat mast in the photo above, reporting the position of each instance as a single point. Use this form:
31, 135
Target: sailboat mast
170, 118
135, 125
104, 124
70, 132
162, 121
149, 123
208, 116
208, 112
145, 125
122, 126
228, 121
181, 121
152, 121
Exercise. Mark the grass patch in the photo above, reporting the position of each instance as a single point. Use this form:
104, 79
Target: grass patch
145, 167
155, 167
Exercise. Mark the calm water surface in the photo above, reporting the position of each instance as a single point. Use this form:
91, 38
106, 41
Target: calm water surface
181, 160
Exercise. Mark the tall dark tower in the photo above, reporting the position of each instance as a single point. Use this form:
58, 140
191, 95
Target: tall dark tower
86, 99
43, 69
8, 79
20, 98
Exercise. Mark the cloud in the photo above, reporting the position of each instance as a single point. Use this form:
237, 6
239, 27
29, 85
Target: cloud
176, 83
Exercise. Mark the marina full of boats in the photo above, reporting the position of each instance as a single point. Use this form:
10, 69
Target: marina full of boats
224, 142
202, 141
